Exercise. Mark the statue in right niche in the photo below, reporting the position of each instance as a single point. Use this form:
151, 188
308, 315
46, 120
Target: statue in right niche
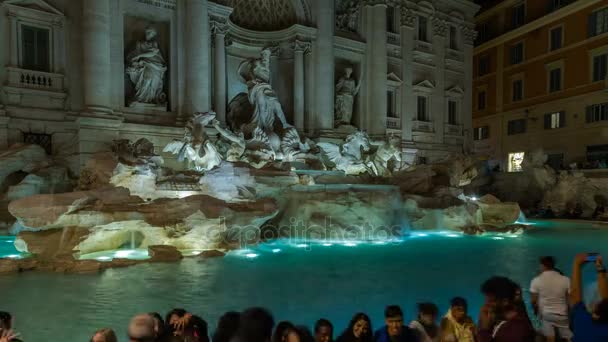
346, 90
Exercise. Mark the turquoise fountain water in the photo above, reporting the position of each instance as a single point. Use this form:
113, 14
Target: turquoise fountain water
298, 280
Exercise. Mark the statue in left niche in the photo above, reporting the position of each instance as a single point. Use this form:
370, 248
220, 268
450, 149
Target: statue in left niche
146, 69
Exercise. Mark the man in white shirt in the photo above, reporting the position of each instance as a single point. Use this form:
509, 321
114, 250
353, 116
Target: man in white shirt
549, 292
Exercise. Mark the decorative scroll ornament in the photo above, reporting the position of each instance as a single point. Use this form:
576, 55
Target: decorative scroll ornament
408, 18
301, 46
440, 27
468, 34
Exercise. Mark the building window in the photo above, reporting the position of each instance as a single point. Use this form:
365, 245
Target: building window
555, 80
515, 161
453, 38
422, 113
391, 104
390, 19
517, 53
422, 28
452, 112
481, 100
518, 15
556, 38
35, 48
597, 112
518, 90
598, 22
43, 140
555, 120
600, 67
557, 4
484, 65
516, 127
481, 133
483, 33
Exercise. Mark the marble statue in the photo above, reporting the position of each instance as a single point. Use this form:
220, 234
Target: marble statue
196, 147
387, 159
347, 157
267, 107
346, 90
146, 68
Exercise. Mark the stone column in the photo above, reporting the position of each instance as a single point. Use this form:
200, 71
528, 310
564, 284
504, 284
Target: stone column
469, 36
3, 128
219, 28
377, 67
438, 100
97, 69
324, 50
198, 70
299, 49
408, 99
14, 37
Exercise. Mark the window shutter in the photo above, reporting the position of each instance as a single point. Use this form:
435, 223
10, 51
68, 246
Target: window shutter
562, 119
547, 121
589, 114
592, 24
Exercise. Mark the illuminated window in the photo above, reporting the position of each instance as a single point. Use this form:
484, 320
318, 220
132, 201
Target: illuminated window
515, 161
555, 120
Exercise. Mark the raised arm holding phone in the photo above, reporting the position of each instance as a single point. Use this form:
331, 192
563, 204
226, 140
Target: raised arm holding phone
589, 326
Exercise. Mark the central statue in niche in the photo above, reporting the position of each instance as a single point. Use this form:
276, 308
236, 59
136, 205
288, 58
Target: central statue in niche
146, 69
265, 102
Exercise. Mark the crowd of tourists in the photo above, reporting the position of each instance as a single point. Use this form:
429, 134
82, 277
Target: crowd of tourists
556, 300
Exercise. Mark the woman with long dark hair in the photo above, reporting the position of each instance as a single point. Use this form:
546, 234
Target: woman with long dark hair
359, 330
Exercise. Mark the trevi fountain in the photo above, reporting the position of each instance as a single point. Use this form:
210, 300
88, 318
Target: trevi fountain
223, 154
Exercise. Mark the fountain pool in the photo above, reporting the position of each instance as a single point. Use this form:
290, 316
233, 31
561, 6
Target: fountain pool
300, 281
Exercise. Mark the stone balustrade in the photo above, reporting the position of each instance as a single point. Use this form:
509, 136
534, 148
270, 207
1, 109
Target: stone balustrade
32, 79
393, 38
453, 129
393, 123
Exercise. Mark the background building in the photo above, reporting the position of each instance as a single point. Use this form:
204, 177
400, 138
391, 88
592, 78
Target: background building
540, 81
68, 71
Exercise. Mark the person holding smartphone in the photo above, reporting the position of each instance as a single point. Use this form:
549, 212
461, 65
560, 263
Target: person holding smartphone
589, 327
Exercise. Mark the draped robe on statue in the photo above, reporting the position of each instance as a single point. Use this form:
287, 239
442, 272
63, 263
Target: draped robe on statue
147, 72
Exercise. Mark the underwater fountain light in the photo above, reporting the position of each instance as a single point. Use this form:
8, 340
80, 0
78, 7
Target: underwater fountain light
498, 238
421, 235
301, 245
350, 244
379, 242
123, 254
474, 198
13, 256
453, 235
251, 255
327, 244
103, 258
276, 250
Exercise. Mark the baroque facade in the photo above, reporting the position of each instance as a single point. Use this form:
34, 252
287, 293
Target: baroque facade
79, 74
